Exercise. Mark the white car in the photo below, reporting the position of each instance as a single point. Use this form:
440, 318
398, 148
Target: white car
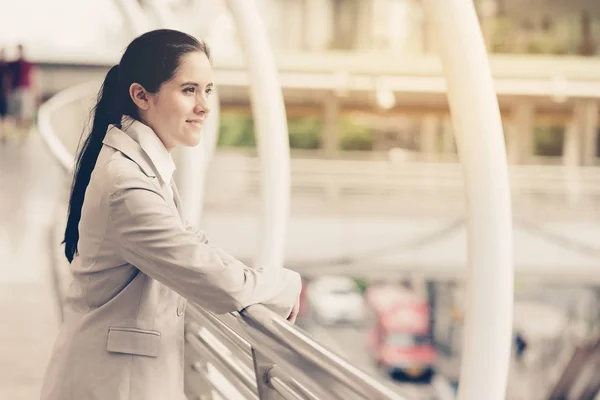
335, 299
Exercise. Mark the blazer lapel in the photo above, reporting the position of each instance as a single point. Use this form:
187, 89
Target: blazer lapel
119, 140
177, 199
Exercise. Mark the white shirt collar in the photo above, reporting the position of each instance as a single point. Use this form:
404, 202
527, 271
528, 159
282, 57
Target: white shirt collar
152, 146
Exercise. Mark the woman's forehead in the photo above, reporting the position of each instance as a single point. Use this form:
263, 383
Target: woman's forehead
195, 67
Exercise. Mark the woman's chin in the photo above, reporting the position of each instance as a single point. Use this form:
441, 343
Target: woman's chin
193, 139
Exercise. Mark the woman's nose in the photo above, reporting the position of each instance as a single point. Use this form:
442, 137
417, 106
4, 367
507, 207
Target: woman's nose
202, 105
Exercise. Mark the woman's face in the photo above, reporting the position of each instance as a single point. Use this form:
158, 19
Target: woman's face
177, 112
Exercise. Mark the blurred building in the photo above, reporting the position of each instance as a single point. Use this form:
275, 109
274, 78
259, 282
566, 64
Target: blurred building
350, 25
360, 78
541, 26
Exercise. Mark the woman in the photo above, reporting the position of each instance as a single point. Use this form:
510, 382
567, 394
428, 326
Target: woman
133, 258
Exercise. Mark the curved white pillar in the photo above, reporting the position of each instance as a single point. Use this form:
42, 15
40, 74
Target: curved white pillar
161, 13
134, 16
271, 130
476, 119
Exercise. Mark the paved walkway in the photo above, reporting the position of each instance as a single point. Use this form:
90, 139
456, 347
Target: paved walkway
28, 311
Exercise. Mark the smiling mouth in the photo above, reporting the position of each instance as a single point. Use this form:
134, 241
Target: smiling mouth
197, 122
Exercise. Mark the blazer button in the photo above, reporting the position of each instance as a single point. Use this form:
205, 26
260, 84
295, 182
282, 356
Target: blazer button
180, 309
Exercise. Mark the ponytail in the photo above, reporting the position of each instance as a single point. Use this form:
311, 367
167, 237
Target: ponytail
149, 60
105, 112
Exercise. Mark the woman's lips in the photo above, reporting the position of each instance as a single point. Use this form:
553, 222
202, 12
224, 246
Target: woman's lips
197, 122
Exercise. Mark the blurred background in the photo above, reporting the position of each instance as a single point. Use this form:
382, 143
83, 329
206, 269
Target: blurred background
377, 223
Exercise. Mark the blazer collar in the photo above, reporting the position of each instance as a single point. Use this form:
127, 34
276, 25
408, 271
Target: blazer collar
138, 142
119, 140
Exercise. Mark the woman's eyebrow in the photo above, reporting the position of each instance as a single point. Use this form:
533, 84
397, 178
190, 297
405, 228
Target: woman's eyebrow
196, 84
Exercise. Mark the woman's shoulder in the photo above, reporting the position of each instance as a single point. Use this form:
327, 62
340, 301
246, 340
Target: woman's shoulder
119, 171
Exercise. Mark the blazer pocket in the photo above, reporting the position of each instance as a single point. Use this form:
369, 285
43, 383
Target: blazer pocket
135, 341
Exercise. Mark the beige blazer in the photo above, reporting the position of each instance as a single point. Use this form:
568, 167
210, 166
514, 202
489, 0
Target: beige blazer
122, 337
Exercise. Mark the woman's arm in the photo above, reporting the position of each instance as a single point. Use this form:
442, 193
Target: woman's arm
155, 240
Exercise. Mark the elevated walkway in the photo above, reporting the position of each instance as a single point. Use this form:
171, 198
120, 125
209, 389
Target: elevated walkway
28, 308
32, 202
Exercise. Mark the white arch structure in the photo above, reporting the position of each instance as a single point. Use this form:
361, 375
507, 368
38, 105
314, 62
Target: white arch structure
271, 128
480, 141
476, 118
477, 123
134, 17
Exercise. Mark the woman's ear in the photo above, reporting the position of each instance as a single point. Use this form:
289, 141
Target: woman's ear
139, 96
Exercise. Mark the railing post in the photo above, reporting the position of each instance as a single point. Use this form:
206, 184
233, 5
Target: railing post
583, 356
202, 389
196, 383
261, 368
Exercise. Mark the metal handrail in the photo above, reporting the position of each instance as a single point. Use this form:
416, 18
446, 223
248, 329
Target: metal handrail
239, 375
586, 356
68, 96
382, 174
268, 357
282, 342
297, 366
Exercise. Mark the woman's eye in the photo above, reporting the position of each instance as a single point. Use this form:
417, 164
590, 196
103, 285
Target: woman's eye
208, 91
190, 89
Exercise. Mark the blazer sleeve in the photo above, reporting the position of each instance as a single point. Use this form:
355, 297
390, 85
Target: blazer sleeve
153, 239
201, 235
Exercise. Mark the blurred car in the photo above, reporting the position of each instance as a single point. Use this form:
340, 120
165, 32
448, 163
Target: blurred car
334, 300
399, 338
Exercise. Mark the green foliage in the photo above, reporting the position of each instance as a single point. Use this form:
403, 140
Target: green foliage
547, 45
361, 283
548, 140
500, 35
305, 133
236, 130
508, 35
354, 135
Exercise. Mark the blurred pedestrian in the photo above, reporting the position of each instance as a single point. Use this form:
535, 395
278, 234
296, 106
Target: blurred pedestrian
134, 258
520, 346
22, 92
4, 90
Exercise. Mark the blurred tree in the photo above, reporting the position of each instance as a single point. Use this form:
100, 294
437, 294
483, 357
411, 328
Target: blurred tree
587, 46
501, 35
305, 133
548, 140
236, 130
355, 135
